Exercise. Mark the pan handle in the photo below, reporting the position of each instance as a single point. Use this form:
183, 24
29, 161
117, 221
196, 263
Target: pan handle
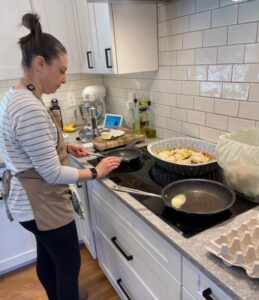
207, 294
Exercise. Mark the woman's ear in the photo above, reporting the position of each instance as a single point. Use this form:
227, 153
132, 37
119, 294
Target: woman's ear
38, 63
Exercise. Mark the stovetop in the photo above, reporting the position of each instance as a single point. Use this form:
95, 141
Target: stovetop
187, 225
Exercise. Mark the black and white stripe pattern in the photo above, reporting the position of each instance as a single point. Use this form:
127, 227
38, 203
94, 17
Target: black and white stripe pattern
28, 140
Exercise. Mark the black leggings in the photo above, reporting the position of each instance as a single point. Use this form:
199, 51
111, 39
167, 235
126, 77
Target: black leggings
58, 260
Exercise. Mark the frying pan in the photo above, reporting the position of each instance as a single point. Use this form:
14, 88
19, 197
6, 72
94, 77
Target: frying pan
203, 197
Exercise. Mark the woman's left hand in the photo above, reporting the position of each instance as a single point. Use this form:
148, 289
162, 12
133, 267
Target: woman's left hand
77, 150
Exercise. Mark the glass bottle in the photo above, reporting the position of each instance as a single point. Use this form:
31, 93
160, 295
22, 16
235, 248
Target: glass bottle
143, 114
150, 131
135, 115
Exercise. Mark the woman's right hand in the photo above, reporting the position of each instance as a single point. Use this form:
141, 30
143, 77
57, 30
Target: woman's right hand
107, 165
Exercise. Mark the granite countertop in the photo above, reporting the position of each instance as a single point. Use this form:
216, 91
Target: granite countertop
233, 280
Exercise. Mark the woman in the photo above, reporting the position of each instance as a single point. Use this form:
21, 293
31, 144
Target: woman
36, 155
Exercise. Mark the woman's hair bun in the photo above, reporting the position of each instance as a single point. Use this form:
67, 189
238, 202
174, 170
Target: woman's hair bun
32, 22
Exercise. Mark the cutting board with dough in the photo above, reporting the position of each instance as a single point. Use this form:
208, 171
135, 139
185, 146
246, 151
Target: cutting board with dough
129, 136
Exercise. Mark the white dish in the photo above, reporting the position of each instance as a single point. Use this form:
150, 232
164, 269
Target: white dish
117, 132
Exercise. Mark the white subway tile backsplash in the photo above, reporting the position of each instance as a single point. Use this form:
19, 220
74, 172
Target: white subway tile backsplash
174, 125
191, 130
174, 42
187, 7
179, 72
190, 88
206, 56
160, 122
238, 91
209, 134
216, 121
192, 40
168, 99
162, 44
164, 29
254, 92
249, 110
220, 73
235, 124
231, 54
179, 25
202, 5
184, 101
200, 21
163, 73
226, 107
244, 33
196, 117
204, 104
178, 113
229, 2
252, 53
246, 73
224, 16
248, 12
170, 134
210, 89
167, 58
215, 37
185, 57
170, 86
197, 73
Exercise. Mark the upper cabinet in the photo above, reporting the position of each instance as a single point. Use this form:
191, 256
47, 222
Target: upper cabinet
11, 13
118, 37
59, 18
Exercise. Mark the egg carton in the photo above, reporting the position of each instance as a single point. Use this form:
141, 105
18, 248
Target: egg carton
239, 247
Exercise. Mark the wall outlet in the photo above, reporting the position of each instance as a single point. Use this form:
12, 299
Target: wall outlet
71, 99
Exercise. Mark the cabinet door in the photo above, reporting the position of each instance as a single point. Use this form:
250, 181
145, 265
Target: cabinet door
11, 13
102, 36
58, 18
18, 245
88, 60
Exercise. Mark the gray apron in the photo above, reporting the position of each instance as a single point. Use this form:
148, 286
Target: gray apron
51, 203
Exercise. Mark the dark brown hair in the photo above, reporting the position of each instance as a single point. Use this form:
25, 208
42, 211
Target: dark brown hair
38, 43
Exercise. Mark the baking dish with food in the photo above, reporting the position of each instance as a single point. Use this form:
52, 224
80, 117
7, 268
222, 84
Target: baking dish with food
182, 167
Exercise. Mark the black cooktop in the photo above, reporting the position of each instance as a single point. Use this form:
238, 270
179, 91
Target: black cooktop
151, 178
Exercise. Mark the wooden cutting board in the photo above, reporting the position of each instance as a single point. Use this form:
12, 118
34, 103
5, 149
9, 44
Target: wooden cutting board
129, 136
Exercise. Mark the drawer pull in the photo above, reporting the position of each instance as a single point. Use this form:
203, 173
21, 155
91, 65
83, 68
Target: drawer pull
207, 294
107, 58
88, 59
119, 281
128, 257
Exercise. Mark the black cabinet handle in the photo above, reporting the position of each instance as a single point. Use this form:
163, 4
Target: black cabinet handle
207, 294
88, 59
128, 257
119, 281
107, 58
79, 185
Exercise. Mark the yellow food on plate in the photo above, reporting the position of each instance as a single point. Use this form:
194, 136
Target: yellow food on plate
178, 200
185, 155
106, 135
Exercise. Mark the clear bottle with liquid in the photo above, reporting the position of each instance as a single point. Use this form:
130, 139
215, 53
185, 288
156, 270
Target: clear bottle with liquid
143, 114
135, 115
150, 130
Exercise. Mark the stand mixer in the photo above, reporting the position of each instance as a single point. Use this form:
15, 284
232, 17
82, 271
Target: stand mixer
93, 97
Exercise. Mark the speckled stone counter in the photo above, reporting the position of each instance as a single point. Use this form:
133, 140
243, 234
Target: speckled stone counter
232, 280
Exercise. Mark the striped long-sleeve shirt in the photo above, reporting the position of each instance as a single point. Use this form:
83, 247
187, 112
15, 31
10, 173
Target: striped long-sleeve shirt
28, 139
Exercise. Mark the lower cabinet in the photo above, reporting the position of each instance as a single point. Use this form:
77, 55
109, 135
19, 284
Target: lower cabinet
18, 246
198, 286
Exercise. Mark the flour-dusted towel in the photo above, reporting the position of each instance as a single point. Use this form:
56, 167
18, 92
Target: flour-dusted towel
76, 201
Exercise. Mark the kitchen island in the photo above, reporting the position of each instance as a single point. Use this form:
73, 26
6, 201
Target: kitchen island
197, 269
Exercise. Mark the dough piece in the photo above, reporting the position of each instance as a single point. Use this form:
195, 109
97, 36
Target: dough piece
106, 135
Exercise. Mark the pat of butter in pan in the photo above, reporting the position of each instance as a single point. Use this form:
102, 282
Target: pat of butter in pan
178, 200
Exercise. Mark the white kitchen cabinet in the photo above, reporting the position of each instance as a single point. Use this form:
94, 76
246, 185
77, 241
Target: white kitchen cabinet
198, 286
124, 242
59, 18
11, 13
18, 246
123, 36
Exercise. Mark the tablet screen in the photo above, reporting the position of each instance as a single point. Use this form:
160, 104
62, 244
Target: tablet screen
112, 121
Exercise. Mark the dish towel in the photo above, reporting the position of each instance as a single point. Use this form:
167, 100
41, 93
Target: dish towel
77, 202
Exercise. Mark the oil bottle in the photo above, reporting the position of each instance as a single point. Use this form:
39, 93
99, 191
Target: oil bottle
150, 130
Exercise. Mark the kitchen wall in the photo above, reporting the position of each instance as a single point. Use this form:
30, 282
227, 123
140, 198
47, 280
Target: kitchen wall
74, 86
208, 78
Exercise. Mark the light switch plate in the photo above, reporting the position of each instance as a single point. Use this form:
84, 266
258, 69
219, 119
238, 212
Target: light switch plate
71, 99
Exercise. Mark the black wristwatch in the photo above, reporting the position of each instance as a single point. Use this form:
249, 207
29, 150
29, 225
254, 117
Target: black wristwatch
94, 173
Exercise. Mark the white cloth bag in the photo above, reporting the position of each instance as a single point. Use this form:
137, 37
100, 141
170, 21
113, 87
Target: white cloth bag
237, 154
